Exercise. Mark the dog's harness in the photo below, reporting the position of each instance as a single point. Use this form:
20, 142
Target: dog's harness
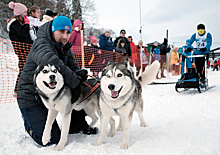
116, 109
92, 89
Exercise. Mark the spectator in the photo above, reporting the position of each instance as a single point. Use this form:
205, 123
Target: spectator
18, 25
105, 41
155, 50
216, 64
141, 49
212, 63
127, 43
133, 51
175, 61
121, 49
189, 61
49, 15
35, 23
208, 64
164, 49
75, 37
18, 28
93, 42
96, 64
203, 44
51, 47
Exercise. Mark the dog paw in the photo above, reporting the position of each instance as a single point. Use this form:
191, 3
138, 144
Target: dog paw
59, 147
120, 128
97, 143
124, 146
111, 134
143, 124
45, 138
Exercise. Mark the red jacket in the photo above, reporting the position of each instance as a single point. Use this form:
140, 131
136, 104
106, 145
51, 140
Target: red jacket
134, 52
218, 62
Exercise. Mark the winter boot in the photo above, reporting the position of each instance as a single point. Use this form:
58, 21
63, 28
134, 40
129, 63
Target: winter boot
157, 77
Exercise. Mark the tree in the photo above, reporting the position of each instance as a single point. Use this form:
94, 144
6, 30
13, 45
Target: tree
7, 13
74, 9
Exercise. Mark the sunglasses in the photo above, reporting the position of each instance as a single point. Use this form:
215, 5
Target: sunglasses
123, 33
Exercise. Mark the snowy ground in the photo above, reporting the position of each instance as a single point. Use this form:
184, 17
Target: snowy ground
185, 123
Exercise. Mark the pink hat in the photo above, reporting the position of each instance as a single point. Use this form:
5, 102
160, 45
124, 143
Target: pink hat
93, 39
18, 8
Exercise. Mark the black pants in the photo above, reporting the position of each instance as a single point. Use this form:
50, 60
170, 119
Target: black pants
200, 66
35, 119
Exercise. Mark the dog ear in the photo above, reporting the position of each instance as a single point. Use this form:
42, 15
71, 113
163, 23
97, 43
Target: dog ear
126, 62
110, 62
35, 74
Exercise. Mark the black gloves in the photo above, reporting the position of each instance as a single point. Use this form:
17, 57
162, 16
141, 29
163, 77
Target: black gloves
189, 49
203, 49
82, 74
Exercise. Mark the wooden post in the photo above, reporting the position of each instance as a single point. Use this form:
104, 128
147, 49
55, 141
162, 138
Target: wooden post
141, 59
82, 49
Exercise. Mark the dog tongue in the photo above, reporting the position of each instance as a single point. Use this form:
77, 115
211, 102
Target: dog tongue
114, 93
52, 84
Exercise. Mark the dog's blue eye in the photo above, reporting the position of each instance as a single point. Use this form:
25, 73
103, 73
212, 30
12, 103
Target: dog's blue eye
108, 76
55, 71
119, 75
44, 71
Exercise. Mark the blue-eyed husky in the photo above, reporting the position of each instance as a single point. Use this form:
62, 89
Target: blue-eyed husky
121, 95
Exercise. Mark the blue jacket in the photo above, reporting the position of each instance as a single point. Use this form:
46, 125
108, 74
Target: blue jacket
208, 40
105, 43
187, 53
156, 52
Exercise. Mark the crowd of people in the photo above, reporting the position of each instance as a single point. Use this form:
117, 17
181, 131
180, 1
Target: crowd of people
52, 39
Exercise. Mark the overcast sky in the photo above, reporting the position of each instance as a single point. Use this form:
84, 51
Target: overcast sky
179, 17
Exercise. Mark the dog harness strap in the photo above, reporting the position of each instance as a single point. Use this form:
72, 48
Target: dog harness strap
61, 90
92, 89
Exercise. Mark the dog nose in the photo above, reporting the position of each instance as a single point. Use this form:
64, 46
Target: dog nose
52, 77
111, 87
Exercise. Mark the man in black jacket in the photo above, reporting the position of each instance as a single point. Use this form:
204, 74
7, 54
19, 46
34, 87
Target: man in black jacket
50, 47
127, 43
164, 49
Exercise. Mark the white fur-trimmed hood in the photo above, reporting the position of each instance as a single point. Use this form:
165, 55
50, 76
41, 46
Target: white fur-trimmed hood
9, 24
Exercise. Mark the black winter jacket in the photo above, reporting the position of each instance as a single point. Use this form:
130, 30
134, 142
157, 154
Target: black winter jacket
127, 44
163, 49
19, 33
45, 51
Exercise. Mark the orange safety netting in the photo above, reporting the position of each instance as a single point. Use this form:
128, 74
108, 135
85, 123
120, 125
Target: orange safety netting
13, 56
8, 70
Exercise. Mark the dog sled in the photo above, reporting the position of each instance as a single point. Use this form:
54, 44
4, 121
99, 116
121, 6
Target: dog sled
192, 79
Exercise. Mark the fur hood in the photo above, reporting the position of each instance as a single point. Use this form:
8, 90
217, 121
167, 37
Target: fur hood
46, 18
9, 23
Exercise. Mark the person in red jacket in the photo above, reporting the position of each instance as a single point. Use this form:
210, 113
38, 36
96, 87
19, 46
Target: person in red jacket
133, 51
216, 64
75, 37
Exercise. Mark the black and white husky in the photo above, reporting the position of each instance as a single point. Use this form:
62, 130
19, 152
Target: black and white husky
57, 97
121, 95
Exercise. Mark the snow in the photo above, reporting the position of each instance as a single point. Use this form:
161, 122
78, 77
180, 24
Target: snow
184, 123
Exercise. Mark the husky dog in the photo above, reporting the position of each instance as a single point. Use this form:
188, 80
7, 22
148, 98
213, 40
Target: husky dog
57, 97
121, 95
